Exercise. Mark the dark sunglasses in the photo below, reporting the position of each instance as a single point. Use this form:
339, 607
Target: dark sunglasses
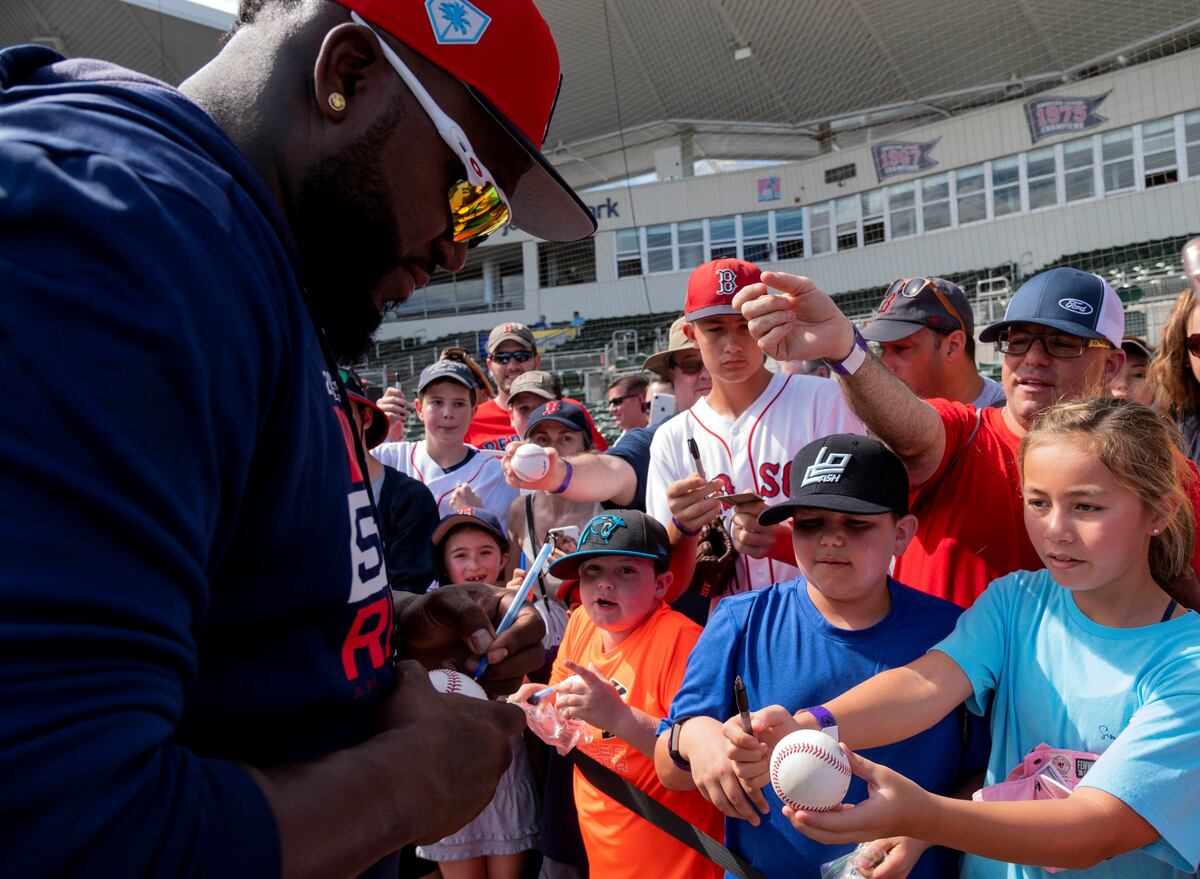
1059, 345
505, 356
691, 366
617, 401
1193, 344
911, 288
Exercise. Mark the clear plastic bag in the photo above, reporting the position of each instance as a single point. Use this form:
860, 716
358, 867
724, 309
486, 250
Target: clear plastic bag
849, 866
552, 728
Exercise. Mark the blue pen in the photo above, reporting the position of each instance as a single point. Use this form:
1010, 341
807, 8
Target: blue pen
522, 596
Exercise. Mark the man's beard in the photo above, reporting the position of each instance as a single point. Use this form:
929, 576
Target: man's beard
348, 236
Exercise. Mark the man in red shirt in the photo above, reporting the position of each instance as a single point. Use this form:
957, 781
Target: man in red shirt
511, 351
1061, 340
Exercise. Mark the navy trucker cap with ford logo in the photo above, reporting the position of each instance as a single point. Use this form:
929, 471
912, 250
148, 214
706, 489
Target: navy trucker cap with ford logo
1066, 300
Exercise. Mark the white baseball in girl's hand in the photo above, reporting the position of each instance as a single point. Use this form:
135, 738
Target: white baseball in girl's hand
809, 771
530, 462
447, 680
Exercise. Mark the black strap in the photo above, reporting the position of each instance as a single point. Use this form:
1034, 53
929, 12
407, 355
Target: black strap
650, 809
927, 490
1170, 610
533, 542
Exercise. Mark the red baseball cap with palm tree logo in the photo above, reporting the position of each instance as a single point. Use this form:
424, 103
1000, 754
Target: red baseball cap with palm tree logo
712, 286
504, 53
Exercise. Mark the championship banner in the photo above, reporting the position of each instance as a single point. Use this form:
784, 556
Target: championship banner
1056, 115
902, 157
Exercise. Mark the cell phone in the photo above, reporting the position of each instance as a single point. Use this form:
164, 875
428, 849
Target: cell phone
662, 407
567, 531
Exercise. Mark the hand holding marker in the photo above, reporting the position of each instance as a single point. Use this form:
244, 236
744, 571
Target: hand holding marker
510, 615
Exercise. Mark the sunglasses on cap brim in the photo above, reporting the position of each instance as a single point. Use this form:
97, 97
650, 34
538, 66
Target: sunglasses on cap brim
478, 206
911, 288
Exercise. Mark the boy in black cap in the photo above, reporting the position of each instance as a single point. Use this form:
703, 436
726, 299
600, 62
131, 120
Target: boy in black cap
407, 513
795, 643
619, 664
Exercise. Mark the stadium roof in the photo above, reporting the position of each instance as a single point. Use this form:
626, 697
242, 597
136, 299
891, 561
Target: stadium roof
728, 79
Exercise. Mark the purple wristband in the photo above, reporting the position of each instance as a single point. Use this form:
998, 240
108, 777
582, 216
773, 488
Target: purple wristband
823, 715
566, 479
683, 530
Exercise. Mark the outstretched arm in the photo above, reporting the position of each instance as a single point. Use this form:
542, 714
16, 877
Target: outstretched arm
594, 478
892, 706
1075, 833
804, 324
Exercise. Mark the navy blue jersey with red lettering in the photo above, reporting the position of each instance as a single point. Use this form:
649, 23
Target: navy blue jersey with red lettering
190, 570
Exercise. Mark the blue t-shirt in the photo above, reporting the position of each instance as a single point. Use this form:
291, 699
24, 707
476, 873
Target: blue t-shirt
1050, 674
634, 449
788, 654
190, 572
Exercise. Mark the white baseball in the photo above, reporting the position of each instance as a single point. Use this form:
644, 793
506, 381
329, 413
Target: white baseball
530, 462
447, 680
809, 771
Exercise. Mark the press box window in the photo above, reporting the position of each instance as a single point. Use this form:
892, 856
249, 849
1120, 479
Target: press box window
722, 236
1158, 153
935, 202
660, 250
822, 218
561, 264
756, 242
691, 244
1116, 151
902, 209
872, 216
1006, 187
972, 194
846, 212
1041, 173
629, 253
789, 234
1079, 175
1191, 136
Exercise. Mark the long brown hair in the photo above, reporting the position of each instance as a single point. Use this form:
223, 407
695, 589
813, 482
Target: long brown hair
1141, 450
1175, 388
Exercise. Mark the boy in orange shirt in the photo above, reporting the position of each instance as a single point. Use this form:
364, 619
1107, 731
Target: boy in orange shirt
618, 668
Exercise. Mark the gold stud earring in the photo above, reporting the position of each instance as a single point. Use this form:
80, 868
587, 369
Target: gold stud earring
337, 101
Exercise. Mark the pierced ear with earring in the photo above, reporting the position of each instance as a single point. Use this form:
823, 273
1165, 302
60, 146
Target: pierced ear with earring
337, 101
1156, 531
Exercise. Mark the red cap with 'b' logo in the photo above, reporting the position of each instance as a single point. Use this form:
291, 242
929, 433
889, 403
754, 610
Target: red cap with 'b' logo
712, 286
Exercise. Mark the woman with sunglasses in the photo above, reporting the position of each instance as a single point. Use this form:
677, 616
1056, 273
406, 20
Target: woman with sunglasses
1175, 369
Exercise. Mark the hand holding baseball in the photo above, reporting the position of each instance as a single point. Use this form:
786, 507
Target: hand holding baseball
591, 698
802, 324
690, 501
894, 806
455, 782
455, 624
751, 754
398, 409
552, 479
